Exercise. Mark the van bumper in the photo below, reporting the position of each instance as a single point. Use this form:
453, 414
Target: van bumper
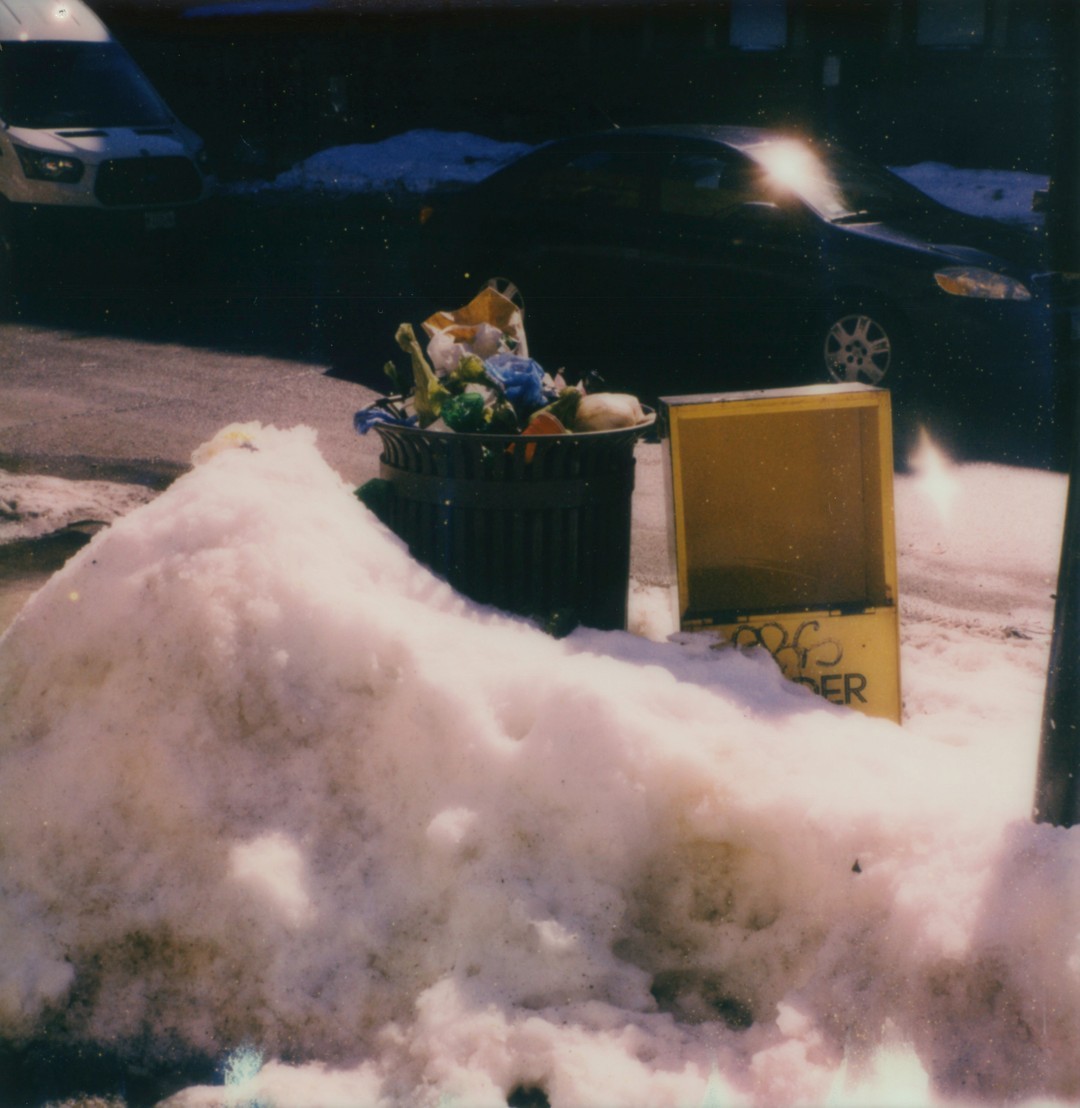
65, 248
79, 225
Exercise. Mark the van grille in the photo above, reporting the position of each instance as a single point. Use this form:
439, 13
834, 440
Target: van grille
147, 181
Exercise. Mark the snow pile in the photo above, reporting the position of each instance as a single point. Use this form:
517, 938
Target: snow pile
32, 505
1004, 195
416, 161
273, 791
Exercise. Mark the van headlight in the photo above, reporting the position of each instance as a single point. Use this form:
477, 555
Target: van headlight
962, 280
40, 165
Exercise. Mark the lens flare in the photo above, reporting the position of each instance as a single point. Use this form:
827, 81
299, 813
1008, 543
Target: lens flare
791, 163
933, 469
893, 1078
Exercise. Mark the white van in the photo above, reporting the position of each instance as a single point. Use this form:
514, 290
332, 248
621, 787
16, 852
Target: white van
85, 140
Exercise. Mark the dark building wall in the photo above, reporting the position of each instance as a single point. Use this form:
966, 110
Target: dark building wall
883, 75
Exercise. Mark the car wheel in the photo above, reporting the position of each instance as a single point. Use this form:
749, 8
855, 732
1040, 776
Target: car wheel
859, 346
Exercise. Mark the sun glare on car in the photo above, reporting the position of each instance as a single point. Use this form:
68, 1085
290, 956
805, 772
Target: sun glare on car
790, 163
792, 166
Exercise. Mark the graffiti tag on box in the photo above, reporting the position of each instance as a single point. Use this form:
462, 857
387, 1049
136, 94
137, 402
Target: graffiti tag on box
806, 657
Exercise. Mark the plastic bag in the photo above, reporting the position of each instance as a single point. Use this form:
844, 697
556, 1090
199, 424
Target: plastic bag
521, 379
489, 324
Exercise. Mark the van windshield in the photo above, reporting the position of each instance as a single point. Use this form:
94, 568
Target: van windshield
75, 84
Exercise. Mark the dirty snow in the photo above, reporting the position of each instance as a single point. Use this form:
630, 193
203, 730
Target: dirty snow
33, 505
413, 162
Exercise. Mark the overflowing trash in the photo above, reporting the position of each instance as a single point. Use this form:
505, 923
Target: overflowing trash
476, 376
539, 528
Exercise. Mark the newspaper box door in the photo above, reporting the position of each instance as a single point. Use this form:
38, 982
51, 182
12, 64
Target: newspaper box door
781, 514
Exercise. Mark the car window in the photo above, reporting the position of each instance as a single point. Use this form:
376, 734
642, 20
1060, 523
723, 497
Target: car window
603, 179
835, 183
706, 185
75, 84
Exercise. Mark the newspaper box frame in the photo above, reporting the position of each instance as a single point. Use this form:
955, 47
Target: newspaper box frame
781, 519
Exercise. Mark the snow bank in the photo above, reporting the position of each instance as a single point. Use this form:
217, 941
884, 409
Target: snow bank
416, 161
273, 792
33, 505
1001, 194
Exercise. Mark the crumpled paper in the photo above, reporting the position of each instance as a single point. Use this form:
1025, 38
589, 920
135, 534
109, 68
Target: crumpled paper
489, 324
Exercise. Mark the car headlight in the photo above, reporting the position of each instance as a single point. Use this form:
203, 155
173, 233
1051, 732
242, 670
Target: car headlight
962, 280
40, 165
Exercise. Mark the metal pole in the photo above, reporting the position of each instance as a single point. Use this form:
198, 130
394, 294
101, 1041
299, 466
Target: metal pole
1057, 788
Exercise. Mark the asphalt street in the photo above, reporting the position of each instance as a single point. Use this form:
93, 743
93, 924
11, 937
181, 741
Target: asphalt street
84, 404
78, 404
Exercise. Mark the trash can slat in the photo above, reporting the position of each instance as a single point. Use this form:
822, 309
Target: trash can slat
536, 525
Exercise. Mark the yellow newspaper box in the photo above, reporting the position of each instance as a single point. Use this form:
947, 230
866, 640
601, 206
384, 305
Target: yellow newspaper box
781, 505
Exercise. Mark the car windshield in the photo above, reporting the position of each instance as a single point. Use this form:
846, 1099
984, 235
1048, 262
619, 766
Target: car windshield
75, 84
835, 183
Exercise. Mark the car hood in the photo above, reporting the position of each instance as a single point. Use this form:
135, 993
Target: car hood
966, 240
96, 144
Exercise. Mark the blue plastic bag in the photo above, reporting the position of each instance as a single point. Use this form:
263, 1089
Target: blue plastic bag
521, 379
366, 418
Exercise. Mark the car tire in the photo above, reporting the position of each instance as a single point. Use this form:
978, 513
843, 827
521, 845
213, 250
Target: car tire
860, 344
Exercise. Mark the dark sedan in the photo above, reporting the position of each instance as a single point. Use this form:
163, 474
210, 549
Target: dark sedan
705, 258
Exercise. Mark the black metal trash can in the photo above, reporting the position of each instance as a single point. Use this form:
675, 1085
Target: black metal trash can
538, 525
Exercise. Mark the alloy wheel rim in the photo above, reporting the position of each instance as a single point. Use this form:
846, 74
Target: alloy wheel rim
857, 348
